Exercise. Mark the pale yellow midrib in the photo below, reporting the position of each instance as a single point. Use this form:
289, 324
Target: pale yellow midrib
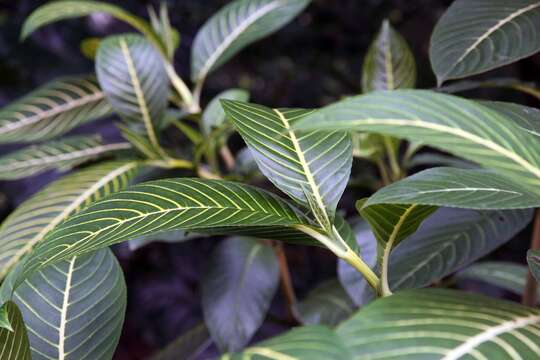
63, 313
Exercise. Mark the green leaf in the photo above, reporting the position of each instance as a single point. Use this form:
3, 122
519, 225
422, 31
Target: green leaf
533, 259
237, 288
308, 342
448, 241
234, 27
213, 115
61, 155
132, 74
431, 159
506, 275
527, 118
14, 343
389, 63
327, 304
313, 167
174, 236
53, 110
75, 309
38, 215
61, 10
188, 345
442, 324
462, 127
463, 188
475, 36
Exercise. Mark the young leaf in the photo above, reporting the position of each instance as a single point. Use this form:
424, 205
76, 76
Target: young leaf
463, 188
308, 342
327, 304
442, 324
311, 167
75, 309
34, 218
389, 63
462, 127
132, 74
448, 241
237, 288
213, 115
234, 27
60, 154
14, 343
533, 259
68, 9
53, 110
474, 36
506, 275
188, 345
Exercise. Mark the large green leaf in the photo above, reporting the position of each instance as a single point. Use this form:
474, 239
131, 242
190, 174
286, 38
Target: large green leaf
506, 275
74, 310
448, 241
461, 127
533, 259
234, 27
442, 324
474, 36
327, 304
14, 343
528, 118
132, 74
53, 110
34, 218
464, 188
311, 167
389, 63
59, 154
237, 288
303, 343
68, 9
213, 115
188, 345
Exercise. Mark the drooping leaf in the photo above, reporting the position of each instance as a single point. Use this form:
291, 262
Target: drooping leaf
506, 275
533, 259
174, 236
234, 27
237, 288
59, 154
74, 310
188, 345
132, 74
463, 188
311, 167
53, 109
68, 9
462, 127
307, 342
14, 343
448, 241
38, 215
213, 115
327, 304
389, 63
474, 36
442, 324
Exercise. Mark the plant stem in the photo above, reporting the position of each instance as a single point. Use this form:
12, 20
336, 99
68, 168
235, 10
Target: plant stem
285, 276
227, 157
170, 163
531, 286
392, 158
182, 89
358, 263
384, 173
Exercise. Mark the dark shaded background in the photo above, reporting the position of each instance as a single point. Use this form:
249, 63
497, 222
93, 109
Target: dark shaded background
314, 60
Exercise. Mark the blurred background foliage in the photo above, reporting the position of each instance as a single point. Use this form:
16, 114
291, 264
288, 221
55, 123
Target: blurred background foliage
314, 60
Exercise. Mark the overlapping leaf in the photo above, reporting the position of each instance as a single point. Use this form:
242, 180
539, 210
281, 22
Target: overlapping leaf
213, 115
237, 288
528, 118
53, 110
33, 219
389, 63
474, 36
188, 345
74, 310
533, 259
442, 324
308, 342
60, 154
311, 167
14, 343
461, 127
132, 74
234, 27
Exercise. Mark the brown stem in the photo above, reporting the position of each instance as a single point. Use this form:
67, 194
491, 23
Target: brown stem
531, 287
286, 283
227, 157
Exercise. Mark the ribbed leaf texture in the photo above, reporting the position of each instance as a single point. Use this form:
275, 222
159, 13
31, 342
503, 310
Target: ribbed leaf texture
14, 343
533, 259
213, 115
